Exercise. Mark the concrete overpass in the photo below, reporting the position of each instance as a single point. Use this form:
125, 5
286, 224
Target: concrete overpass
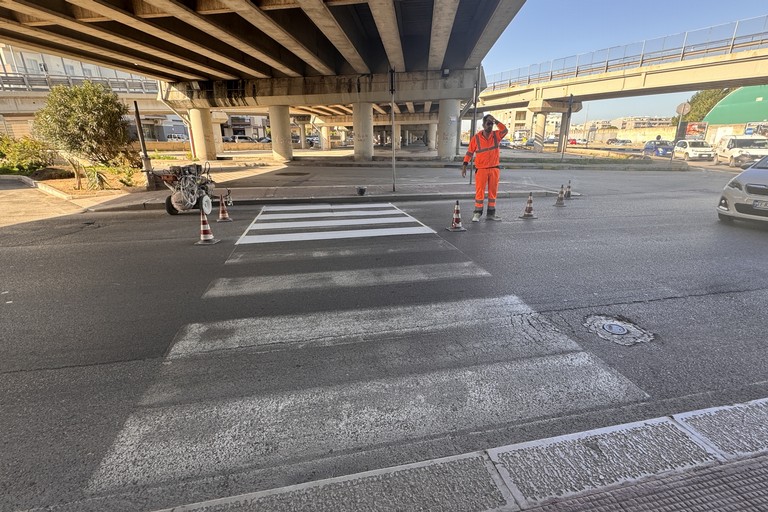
281, 55
699, 61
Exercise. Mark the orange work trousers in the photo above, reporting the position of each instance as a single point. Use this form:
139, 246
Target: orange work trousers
488, 177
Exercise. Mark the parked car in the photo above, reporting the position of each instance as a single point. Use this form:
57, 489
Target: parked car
265, 140
746, 195
693, 150
242, 138
612, 141
741, 149
227, 138
572, 142
176, 137
658, 148
550, 140
504, 143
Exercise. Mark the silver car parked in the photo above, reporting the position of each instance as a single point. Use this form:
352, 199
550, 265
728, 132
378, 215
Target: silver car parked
746, 195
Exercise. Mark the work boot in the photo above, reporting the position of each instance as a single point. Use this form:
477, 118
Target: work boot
476, 216
492, 215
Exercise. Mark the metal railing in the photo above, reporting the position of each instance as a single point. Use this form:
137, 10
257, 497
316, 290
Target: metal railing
40, 83
737, 36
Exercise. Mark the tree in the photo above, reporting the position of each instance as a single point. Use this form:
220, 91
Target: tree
701, 103
86, 121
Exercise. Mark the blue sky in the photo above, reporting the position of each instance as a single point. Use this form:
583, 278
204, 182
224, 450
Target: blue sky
547, 30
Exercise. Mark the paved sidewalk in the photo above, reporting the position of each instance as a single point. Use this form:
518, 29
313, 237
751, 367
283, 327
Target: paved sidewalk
256, 179
707, 460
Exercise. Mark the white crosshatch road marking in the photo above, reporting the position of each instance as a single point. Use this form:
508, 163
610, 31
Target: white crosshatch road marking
303, 222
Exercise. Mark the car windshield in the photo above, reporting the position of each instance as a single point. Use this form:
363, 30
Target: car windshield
662, 143
698, 144
751, 143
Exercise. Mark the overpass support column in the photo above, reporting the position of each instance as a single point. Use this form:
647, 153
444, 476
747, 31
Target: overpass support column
280, 122
447, 128
432, 136
362, 119
397, 137
303, 135
564, 126
325, 138
539, 127
201, 126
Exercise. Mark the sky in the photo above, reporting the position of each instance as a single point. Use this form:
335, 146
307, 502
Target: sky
546, 30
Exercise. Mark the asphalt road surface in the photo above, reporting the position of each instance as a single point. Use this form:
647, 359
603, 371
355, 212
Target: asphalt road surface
142, 371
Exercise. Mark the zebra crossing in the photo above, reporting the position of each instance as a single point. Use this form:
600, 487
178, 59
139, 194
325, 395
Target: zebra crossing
435, 368
305, 222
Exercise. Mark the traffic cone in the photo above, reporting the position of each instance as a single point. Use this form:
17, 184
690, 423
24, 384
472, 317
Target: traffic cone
206, 235
568, 190
456, 222
528, 212
223, 213
560, 195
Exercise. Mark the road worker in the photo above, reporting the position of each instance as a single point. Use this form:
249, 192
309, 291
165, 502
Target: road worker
485, 146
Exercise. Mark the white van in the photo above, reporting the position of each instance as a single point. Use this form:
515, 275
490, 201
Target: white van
738, 150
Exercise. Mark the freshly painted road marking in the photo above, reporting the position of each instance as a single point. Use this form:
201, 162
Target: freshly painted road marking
197, 440
333, 235
395, 219
325, 206
238, 286
364, 216
344, 213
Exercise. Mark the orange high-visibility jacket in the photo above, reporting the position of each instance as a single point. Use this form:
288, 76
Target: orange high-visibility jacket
486, 149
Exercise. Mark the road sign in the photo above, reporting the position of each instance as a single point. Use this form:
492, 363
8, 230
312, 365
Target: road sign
683, 108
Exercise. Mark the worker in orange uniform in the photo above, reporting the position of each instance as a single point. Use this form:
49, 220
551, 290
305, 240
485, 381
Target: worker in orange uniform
485, 146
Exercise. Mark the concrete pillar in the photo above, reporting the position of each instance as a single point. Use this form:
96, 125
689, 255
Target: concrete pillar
564, 122
362, 119
447, 128
325, 137
397, 137
432, 137
407, 137
280, 123
303, 135
201, 126
539, 126
383, 137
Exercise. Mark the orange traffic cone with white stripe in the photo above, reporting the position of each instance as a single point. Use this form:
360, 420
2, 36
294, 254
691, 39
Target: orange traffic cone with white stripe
206, 235
528, 212
560, 196
568, 190
456, 222
223, 213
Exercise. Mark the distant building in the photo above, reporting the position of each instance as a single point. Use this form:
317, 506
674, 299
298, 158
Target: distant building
630, 123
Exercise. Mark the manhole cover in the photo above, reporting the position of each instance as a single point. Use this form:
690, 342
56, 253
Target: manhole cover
617, 330
291, 173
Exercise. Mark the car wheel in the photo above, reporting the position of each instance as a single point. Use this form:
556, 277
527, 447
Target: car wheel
686, 157
731, 162
724, 218
169, 207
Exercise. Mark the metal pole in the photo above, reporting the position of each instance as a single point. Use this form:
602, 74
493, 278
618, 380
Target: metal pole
146, 163
392, 109
564, 136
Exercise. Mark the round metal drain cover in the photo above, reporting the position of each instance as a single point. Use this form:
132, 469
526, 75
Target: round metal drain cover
617, 330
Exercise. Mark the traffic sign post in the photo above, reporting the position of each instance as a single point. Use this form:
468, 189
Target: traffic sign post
682, 109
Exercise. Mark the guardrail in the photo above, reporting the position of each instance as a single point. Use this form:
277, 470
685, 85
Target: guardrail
737, 36
28, 82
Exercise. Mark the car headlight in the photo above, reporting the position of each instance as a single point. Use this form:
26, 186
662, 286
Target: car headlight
734, 183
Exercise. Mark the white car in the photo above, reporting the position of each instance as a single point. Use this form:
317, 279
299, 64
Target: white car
746, 195
693, 150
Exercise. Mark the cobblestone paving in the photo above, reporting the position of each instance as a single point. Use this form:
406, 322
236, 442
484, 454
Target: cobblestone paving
734, 487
